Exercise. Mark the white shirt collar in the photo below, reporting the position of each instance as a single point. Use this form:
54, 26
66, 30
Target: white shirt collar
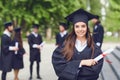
80, 46
7, 33
96, 27
63, 33
35, 34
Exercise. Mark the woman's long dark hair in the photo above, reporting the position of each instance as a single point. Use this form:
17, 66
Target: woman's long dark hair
18, 37
70, 44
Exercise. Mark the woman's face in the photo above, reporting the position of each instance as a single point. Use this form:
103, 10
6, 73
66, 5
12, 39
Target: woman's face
10, 28
80, 29
61, 28
35, 30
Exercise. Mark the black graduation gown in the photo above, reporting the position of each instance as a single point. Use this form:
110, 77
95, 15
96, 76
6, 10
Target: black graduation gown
34, 52
98, 33
6, 55
69, 70
59, 39
17, 62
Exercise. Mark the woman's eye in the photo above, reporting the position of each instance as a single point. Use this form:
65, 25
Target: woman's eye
77, 26
83, 26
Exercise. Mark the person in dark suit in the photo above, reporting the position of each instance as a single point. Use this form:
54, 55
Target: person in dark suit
7, 50
17, 62
98, 31
60, 37
34, 40
74, 60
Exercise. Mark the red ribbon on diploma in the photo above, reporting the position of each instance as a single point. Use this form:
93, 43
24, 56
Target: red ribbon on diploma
103, 55
106, 60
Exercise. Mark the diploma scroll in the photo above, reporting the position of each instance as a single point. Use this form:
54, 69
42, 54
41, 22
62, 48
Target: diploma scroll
42, 43
103, 54
16, 45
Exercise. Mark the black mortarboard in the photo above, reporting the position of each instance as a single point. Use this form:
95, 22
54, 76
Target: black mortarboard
35, 26
79, 15
96, 16
6, 24
64, 25
17, 29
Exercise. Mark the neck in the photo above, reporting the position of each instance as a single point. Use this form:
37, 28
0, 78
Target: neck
7, 30
82, 39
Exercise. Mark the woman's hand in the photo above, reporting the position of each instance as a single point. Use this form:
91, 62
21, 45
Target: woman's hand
88, 62
15, 48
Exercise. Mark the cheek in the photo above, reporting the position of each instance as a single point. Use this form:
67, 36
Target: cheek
85, 30
10, 28
75, 30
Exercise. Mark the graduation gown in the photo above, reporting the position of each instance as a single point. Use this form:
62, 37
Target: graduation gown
34, 52
17, 62
98, 34
6, 55
60, 39
69, 70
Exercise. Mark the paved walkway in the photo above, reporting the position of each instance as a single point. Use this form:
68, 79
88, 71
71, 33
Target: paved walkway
47, 72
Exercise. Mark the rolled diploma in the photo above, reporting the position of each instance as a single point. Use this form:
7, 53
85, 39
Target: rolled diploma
103, 54
16, 45
42, 43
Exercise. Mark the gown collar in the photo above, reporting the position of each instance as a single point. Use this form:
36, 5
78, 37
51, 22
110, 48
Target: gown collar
79, 45
7, 33
63, 33
35, 34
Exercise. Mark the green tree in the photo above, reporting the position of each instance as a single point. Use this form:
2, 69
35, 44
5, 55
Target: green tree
113, 16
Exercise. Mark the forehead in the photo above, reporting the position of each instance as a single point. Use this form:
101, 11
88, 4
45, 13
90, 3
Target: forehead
80, 23
61, 26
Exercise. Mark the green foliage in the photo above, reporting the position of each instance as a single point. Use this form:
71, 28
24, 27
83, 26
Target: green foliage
113, 16
95, 7
48, 13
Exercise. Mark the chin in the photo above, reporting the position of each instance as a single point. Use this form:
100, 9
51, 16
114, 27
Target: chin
81, 36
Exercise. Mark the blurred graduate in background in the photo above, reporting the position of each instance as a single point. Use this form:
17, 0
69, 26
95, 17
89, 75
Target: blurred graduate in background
98, 31
60, 37
34, 40
7, 50
17, 62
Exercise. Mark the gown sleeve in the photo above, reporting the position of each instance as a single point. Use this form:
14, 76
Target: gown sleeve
63, 68
101, 33
93, 70
5, 44
22, 51
57, 39
30, 41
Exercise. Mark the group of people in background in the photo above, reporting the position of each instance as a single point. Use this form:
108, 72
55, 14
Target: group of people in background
73, 59
12, 51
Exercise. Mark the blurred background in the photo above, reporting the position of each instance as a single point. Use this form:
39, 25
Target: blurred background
48, 13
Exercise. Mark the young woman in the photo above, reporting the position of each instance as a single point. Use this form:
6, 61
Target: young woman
60, 37
18, 56
74, 60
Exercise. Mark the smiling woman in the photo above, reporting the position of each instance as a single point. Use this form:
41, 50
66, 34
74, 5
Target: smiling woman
74, 60
80, 29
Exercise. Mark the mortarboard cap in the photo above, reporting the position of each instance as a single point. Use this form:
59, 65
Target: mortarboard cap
6, 24
17, 29
79, 15
96, 16
64, 25
35, 26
